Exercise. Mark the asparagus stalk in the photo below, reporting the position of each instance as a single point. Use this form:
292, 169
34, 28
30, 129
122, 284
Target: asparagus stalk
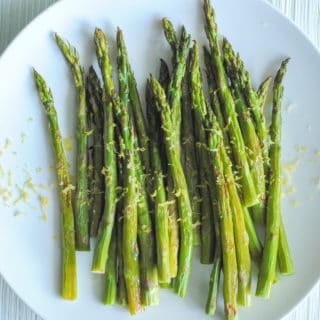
174, 229
212, 299
130, 249
255, 245
200, 111
273, 217
148, 268
90, 171
81, 205
171, 37
131, 268
211, 304
174, 240
251, 140
253, 101
185, 210
95, 106
230, 281
164, 75
148, 271
286, 266
139, 120
69, 269
159, 192
175, 85
214, 99
263, 92
101, 250
110, 297
122, 291
187, 131
174, 98
189, 160
240, 233
249, 192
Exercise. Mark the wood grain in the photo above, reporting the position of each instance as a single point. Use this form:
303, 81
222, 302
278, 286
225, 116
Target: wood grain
15, 14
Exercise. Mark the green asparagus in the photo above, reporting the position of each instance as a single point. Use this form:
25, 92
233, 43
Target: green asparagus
273, 217
148, 271
81, 196
95, 107
230, 282
251, 140
263, 92
174, 241
181, 189
69, 268
101, 250
159, 192
110, 297
249, 193
200, 111
130, 225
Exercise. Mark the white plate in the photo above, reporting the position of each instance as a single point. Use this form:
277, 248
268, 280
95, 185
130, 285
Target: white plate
30, 257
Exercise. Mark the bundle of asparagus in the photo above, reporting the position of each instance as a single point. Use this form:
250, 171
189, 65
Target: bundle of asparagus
192, 172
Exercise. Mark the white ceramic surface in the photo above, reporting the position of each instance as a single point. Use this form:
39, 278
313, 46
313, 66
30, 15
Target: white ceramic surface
29, 255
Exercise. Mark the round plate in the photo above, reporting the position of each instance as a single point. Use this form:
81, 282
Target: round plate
29, 237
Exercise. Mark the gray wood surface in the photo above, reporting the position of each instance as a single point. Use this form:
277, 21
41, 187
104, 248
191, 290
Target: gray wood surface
15, 14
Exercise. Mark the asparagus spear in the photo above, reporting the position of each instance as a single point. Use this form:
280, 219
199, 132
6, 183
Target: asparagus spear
240, 233
122, 291
90, 171
159, 192
251, 140
148, 268
284, 256
273, 217
249, 192
171, 37
175, 85
130, 221
164, 75
263, 92
95, 106
111, 272
200, 111
190, 162
174, 240
101, 250
135, 103
69, 269
254, 105
81, 205
254, 242
185, 211
230, 281
255, 245
211, 304
130, 249
174, 98
214, 99
148, 271
187, 134
185, 125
